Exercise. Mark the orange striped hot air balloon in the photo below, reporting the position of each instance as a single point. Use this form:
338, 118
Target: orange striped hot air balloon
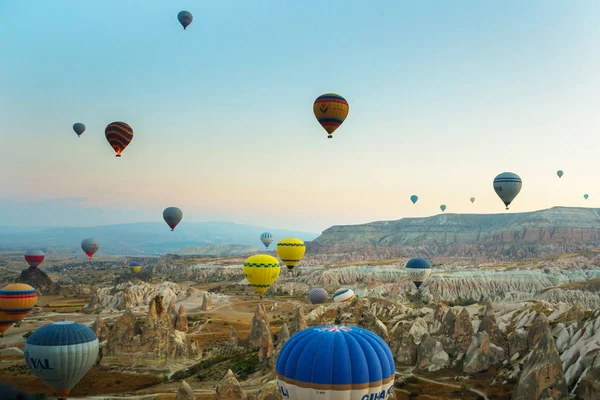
5, 323
17, 300
119, 135
330, 110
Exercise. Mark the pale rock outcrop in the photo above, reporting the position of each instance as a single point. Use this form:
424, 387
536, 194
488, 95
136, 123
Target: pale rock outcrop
283, 335
575, 313
490, 326
234, 337
369, 321
265, 344
100, 329
542, 377
299, 321
463, 331
172, 313
482, 354
318, 316
270, 391
588, 387
185, 392
206, 302
539, 328
517, 342
432, 356
230, 389
405, 339
181, 322
260, 325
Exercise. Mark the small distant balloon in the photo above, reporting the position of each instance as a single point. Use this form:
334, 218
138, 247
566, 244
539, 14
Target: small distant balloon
414, 198
266, 238
172, 216
79, 128
559, 173
472, 199
507, 186
185, 18
119, 135
331, 111
418, 270
317, 295
89, 246
135, 267
585, 196
443, 207
34, 258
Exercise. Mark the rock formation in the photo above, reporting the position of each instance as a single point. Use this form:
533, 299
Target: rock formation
405, 340
283, 335
539, 328
234, 338
432, 356
185, 392
206, 302
588, 388
100, 328
230, 389
482, 354
265, 343
37, 279
542, 377
181, 323
260, 325
369, 321
299, 322
490, 326
270, 391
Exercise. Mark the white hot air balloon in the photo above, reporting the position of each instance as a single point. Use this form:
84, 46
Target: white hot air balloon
507, 186
343, 295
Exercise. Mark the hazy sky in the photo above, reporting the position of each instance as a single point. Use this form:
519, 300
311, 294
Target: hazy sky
443, 95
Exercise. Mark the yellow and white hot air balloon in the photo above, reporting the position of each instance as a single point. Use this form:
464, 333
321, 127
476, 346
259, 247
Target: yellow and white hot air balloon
261, 271
291, 251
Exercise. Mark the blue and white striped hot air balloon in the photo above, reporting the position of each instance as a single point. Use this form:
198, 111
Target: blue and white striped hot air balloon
60, 354
418, 270
335, 363
343, 295
317, 295
266, 238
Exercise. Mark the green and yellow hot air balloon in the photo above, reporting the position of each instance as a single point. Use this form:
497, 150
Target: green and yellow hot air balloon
261, 271
290, 251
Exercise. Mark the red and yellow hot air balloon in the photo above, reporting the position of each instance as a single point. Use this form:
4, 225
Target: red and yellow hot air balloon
17, 300
5, 323
119, 135
330, 110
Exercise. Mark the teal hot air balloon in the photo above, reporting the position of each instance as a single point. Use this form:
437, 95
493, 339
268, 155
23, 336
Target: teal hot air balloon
60, 354
185, 18
585, 196
507, 186
266, 238
443, 207
79, 128
414, 198
559, 173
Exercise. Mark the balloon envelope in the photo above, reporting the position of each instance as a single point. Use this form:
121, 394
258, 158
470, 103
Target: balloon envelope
507, 186
472, 199
185, 18
261, 271
331, 110
418, 270
291, 251
443, 207
172, 216
343, 295
79, 128
89, 246
335, 362
559, 173
317, 295
5, 322
135, 267
414, 198
34, 258
61, 353
17, 300
585, 196
266, 238
119, 135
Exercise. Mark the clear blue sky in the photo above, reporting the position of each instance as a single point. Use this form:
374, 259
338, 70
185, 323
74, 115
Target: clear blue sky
444, 95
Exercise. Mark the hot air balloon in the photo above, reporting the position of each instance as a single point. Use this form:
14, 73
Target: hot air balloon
559, 173
335, 362
330, 110
266, 238
89, 246
585, 196
290, 251
343, 295
172, 216
261, 271
418, 270
5, 323
414, 198
135, 267
443, 207
79, 128
34, 258
317, 295
507, 186
472, 199
119, 135
185, 18
17, 300
61, 353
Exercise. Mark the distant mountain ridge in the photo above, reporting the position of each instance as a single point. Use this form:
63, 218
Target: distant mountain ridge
518, 235
148, 238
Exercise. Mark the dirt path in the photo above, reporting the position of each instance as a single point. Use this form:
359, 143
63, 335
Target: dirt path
410, 372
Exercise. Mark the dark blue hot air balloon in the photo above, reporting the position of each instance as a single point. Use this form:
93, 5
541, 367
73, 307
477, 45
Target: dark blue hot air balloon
418, 270
185, 18
336, 363
317, 295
